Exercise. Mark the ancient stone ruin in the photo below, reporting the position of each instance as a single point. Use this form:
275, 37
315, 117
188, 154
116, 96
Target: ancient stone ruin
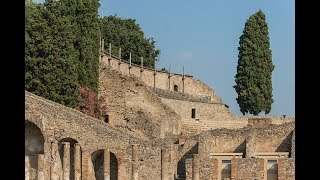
160, 126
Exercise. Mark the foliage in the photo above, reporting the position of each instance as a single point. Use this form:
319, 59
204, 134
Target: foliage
90, 104
254, 70
127, 35
50, 66
62, 48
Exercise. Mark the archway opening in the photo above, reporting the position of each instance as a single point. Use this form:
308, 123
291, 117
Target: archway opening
34, 145
98, 165
72, 143
97, 161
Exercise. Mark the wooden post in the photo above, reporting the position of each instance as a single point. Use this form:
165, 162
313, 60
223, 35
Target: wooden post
183, 78
169, 75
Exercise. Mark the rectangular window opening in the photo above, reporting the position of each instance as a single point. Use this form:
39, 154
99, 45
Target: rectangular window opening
193, 113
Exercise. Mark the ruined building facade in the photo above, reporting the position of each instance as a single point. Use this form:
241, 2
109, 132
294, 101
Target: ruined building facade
159, 126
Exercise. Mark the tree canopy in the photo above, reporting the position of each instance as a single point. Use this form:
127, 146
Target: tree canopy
254, 69
127, 35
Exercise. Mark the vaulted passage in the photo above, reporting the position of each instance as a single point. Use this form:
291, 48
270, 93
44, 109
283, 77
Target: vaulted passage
34, 143
105, 165
70, 155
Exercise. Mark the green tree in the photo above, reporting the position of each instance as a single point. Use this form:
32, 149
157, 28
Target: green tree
50, 69
127, 35
254, 70
85, 21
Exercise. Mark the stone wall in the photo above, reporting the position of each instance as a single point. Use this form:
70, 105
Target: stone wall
162, 80
132, 105
58, 123
243, 169
286, 169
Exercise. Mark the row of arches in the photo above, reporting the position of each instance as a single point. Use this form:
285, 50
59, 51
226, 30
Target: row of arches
66, 158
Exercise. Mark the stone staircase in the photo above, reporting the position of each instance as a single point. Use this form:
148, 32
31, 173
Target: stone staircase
208, 125
196, 127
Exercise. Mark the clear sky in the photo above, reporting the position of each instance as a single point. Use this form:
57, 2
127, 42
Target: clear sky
204, 37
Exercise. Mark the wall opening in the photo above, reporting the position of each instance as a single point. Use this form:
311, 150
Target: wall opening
175, 88
272, 170
97, 161
225, 169
72, 154
98, 165
113, 167
193, 113
106, 118
34, 145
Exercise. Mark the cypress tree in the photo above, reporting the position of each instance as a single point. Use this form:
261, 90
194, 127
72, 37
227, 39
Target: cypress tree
254, 69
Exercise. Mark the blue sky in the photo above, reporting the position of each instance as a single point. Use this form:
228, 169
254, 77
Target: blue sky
204, 37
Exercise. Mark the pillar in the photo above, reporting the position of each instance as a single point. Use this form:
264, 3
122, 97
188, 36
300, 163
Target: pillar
66, 161
106, 164
134, 162
85, 165
195, 167
27, 167
169, 77
54, 153
77, 161
164, 164
40, 169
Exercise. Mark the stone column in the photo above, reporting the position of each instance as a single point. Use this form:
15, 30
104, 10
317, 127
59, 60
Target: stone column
27, 167
141, 68
106, 164
164, 164
77, 161
40, 170
195, 167
54, 153
134, 161
66, 160
85, 165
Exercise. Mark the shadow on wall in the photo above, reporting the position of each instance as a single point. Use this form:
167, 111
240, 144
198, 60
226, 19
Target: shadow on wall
34, 145
285, 145
181, 168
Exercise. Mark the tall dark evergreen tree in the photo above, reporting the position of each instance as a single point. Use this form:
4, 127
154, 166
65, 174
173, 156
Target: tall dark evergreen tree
128, 35
84, 17
254, 70
50, 54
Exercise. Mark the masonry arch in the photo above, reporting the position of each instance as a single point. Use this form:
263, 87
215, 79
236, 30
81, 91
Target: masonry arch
34, 145
98, 161
181, 165
72, 158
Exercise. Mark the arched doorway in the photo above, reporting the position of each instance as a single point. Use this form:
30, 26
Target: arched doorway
73, 158
34, 145
98, 165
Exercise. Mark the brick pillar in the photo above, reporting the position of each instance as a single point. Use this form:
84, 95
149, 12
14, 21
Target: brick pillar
164, 164
85, 165
106, 164
40, 169
27, 167
195, 167
66, 161
134, 161
77, 161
